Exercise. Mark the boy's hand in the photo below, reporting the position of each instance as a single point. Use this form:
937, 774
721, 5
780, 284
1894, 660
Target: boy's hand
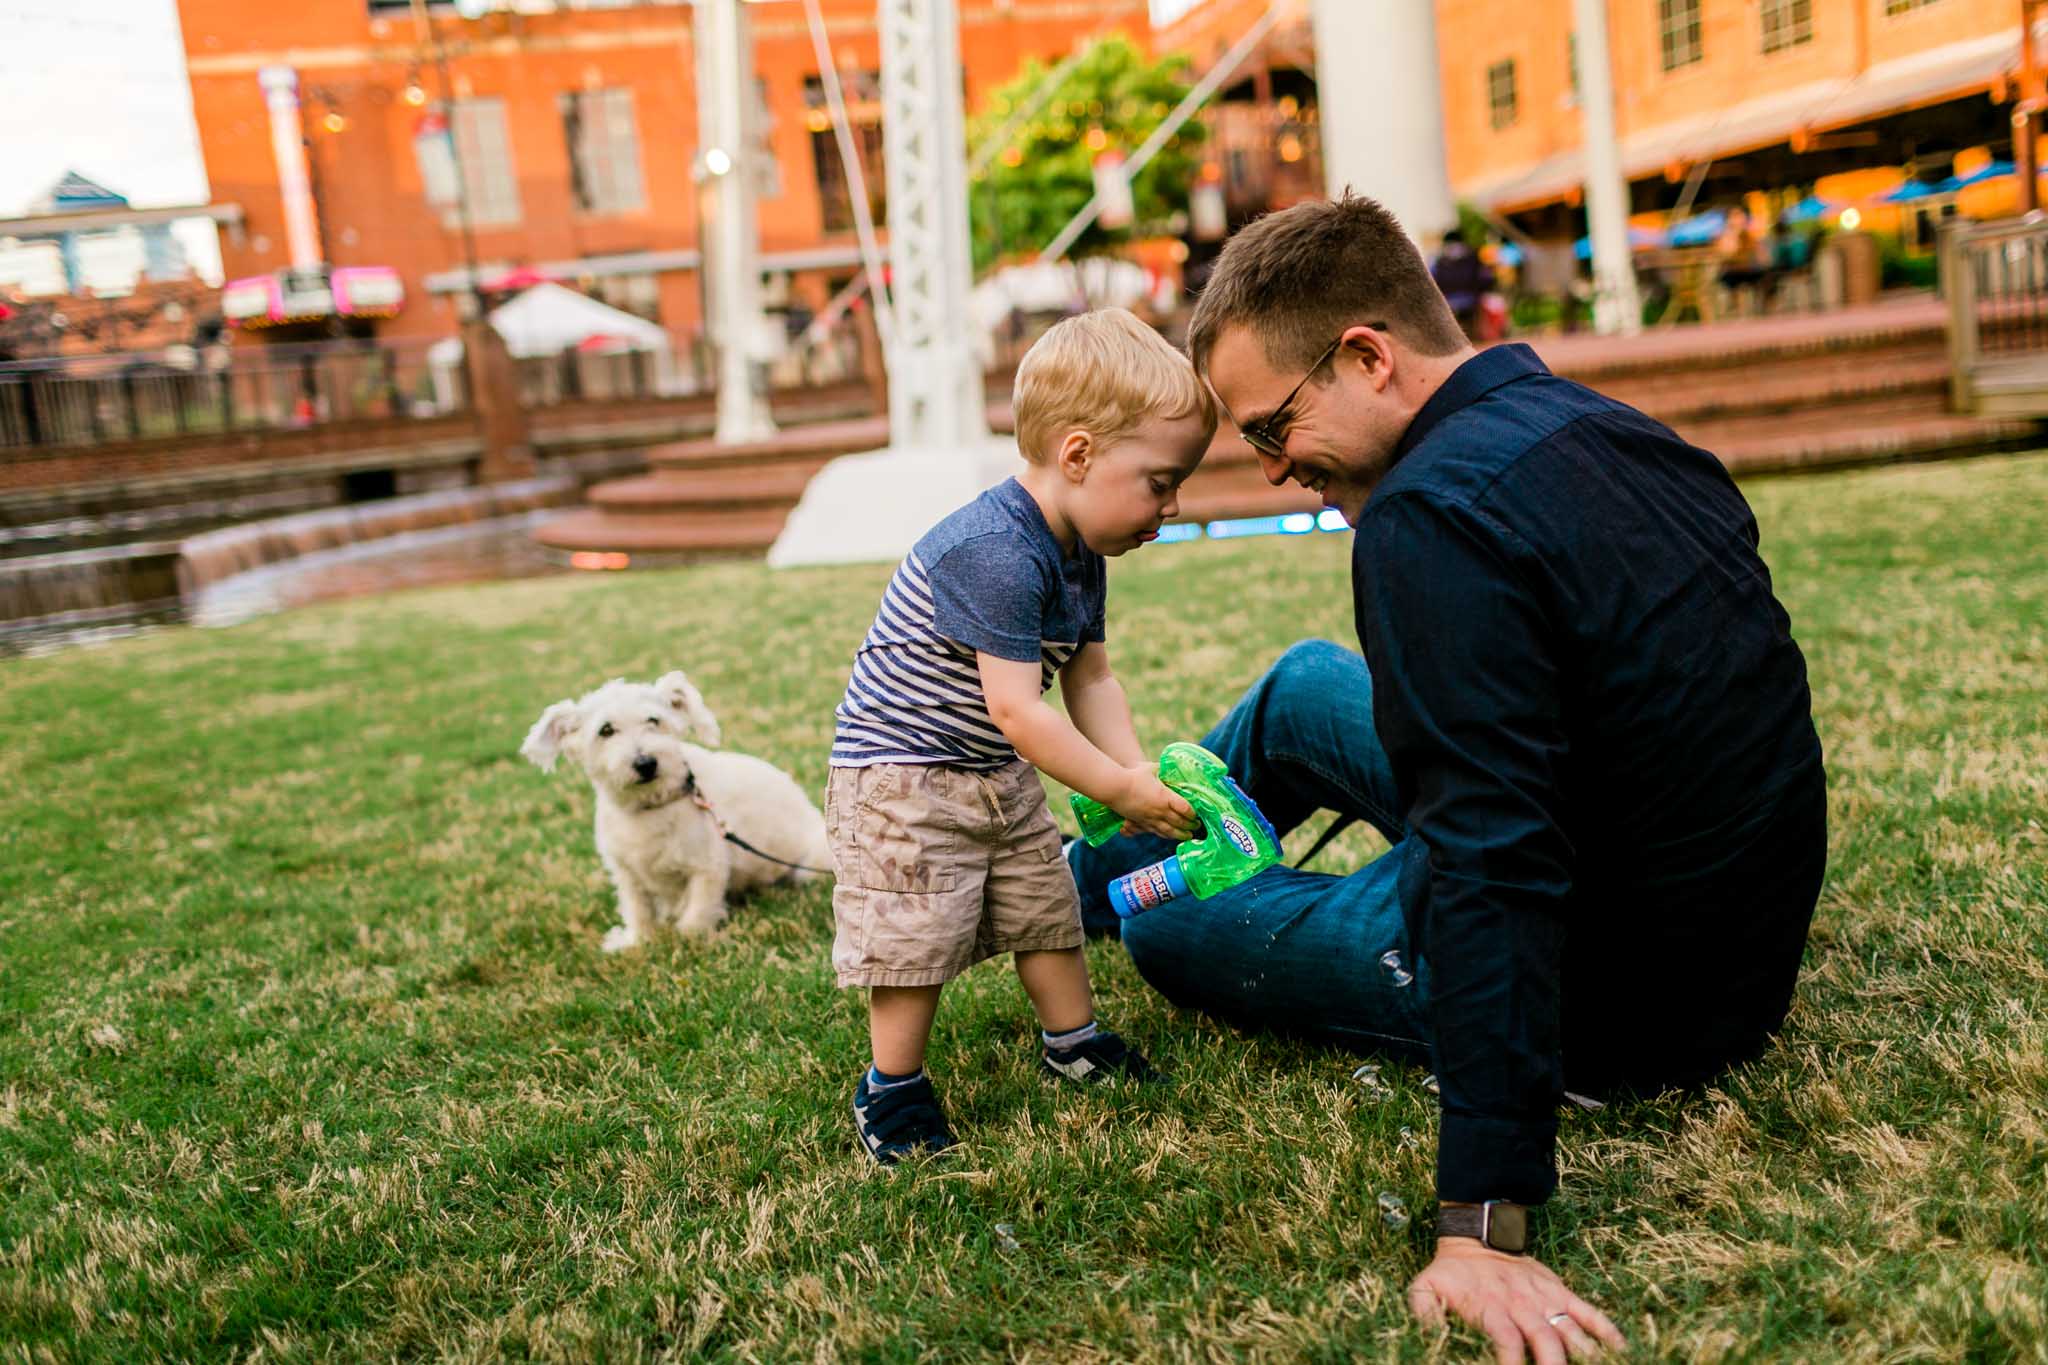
1150, 806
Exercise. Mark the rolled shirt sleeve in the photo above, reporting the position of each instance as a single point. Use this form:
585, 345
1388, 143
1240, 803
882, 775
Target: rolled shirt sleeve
1466, 687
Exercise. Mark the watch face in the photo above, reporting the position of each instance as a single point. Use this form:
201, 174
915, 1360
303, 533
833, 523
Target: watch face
1507, 1227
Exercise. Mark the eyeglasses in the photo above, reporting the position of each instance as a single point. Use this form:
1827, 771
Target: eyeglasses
1268, 435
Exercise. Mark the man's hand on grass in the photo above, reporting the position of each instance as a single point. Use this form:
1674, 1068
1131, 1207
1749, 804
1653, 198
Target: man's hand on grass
1516, 1300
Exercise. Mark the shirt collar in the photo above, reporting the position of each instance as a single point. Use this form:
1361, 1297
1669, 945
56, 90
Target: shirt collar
1019, 498
1470, 382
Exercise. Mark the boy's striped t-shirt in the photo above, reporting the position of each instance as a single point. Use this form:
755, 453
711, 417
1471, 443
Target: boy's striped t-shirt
991, 577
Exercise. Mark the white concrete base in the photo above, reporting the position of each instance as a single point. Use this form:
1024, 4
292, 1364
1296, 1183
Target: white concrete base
871, 508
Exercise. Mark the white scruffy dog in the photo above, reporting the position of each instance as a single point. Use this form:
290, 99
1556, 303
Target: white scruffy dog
664, 805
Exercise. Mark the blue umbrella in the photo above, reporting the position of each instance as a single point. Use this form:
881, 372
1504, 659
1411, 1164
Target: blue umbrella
1991, 172
1810, 208
1700, 229
1914, 190
1639, 239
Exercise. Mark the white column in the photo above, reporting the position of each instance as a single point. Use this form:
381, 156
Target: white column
1379, 99
288, 145
874, 505
935, 382
729, 233
1616, 305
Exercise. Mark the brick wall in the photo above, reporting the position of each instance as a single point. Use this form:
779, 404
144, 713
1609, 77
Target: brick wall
372, 209
1849, 36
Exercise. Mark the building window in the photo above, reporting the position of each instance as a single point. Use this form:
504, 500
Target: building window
1787, 23
639, 294
862, 91
1500, 92
604, 151
381, 8
485, 152
768, 168
1678, 24
1896, 7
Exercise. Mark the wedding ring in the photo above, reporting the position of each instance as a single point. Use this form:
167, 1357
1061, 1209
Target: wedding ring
1555, 1318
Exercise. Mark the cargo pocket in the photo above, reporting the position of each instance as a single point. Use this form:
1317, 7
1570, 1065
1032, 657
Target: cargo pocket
904, 836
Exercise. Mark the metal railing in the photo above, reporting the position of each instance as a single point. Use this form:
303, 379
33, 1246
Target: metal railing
689, 367
143, 396
1995, 278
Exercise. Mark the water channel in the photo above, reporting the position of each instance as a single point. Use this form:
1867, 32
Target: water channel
74, 596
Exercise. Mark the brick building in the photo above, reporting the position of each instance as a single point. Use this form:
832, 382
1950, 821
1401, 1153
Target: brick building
1762, 94
575, 130
1264, 140
1844, 97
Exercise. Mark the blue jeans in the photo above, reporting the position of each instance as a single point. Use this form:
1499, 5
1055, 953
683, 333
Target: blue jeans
1297, 951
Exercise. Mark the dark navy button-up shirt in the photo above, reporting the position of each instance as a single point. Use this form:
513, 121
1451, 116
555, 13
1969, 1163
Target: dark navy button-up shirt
1602, 736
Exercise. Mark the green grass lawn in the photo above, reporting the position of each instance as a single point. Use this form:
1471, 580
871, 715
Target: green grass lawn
307, 1049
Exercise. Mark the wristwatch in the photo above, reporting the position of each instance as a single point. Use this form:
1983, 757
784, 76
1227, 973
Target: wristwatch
1496, 1223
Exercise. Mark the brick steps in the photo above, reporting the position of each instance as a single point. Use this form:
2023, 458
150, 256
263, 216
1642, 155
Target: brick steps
1203, 500
665, 535
1908, 320
1899, 432
1829, 382
708, 490
815, 443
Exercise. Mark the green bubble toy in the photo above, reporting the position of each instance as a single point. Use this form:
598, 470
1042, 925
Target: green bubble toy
1234, 844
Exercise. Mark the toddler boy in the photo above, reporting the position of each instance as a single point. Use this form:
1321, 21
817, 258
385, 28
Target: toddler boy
945, 850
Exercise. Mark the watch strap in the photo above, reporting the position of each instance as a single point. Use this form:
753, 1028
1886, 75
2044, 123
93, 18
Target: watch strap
1484, 1224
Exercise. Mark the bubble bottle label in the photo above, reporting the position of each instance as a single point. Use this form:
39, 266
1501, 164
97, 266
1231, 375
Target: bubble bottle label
1148, 888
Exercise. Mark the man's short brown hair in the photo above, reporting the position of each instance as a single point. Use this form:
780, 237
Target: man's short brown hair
1296, 279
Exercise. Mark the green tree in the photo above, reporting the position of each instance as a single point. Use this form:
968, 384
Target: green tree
1112, 98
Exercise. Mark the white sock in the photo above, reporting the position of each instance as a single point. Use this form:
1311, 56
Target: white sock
1063, 1041
879, 1079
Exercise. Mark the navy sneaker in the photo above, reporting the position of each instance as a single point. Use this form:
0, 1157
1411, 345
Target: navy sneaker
899, 1121
1098, 1059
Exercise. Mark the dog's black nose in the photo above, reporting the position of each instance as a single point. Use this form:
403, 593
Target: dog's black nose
646, 768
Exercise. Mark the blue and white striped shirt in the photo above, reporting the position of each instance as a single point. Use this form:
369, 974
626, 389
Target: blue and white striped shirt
992, 578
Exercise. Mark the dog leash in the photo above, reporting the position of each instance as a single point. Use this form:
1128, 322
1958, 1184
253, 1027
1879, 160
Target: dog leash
731, 838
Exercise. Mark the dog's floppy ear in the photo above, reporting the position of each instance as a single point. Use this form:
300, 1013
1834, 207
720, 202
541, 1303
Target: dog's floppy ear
544, 741
679, 692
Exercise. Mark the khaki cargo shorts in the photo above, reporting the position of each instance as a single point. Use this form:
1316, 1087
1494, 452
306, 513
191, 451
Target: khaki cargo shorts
940, 867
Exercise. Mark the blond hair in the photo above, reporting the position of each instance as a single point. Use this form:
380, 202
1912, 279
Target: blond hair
1104, 373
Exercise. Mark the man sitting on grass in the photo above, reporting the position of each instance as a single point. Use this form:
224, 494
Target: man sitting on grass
1581, 722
